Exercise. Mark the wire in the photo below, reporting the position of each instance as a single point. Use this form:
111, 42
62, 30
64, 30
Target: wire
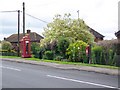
8, 11
25, 13
36, 18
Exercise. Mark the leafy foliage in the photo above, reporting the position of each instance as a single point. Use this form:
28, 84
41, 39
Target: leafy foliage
76, 51
6, 49
58, 58
73, 29
105, 52
35, 47
48, 55
108, 44
5, 45
97, 50
8, 53
62, 44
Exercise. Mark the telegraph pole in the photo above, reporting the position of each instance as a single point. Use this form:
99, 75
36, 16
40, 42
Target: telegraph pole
18, 46
78, 14
78, 17
18, 32
89, 54
23, 19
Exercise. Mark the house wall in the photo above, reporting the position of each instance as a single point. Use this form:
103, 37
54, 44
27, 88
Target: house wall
118, 39
98, 39
14, 46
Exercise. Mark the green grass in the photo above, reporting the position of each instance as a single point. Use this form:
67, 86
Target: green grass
9, 57
32, 59
81, 64
63, 62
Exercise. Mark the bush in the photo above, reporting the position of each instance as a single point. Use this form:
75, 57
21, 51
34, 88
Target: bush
97, 51
5, 45
76, 51
109, 51
8, 53
63, 44
58, 58
35, 48
104, 53
48, 55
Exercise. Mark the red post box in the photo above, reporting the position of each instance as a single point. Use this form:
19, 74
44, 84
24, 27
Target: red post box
87, 50
25, 46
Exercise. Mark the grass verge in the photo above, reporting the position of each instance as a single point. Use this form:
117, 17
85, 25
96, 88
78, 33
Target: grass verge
9, 57
81, 64
63, 62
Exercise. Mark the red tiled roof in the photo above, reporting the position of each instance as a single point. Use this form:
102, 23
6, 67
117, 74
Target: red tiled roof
95, 33
33, 37
117, 33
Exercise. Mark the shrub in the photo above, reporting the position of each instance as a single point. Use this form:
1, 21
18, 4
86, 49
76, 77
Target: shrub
97, 51
76, 51
35, 48
62, 45
58, 58
5, 45
8, 53
48, 55
109, 51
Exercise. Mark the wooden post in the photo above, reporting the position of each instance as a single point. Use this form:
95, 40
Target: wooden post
23, 19
89, 54
18, 33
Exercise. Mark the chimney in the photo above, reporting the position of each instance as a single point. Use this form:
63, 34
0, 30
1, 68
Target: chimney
28, 31
5, 38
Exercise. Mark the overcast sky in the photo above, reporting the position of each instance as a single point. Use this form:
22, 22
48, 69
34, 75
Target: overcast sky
101, 15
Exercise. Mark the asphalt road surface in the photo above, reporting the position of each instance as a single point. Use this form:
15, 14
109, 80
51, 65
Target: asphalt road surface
20, 75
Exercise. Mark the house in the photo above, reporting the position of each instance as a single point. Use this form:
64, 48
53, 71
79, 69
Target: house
117, 34
13, 39
98, 36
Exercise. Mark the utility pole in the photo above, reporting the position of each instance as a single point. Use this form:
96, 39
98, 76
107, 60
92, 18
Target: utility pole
18, 32
78, 14
78, 17
23, 19
18, 46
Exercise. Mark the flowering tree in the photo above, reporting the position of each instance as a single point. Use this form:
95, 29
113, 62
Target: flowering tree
73, 29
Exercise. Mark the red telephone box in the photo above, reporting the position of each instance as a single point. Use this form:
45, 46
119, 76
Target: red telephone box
25, 46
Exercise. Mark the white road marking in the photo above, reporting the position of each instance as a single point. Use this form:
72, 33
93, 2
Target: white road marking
10, 68
79, 81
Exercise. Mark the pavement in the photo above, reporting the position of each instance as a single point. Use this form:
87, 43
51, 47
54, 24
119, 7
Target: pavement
65, 67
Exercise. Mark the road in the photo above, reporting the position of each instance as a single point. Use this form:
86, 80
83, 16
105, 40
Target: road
20, 75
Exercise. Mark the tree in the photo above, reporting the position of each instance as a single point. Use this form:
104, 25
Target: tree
5, 45
73, 29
